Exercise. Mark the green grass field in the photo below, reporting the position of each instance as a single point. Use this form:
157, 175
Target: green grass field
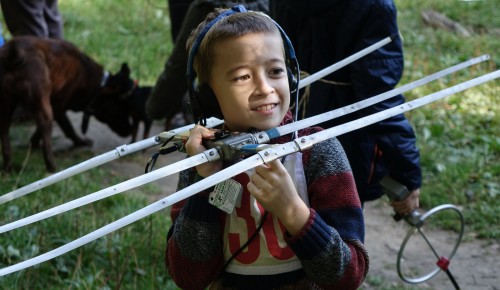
458, 137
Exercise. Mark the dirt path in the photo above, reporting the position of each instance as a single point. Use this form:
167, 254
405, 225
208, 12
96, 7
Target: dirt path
476, 264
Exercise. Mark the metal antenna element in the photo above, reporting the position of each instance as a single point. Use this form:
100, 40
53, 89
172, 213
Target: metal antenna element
261, 157
156, 140
214, 154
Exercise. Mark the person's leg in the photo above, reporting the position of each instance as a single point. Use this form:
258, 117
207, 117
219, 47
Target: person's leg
24, 17
167, 96
177, 11
53, 19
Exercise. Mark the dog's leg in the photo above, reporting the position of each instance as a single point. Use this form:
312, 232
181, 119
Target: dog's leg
68, 130
135, 128
7, 108
5, 122
44, 118
147, 128
36, 138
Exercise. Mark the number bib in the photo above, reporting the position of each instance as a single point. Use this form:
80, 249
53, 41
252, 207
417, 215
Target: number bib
268, 253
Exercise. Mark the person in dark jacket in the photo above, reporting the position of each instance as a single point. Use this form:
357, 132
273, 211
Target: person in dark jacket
325, 32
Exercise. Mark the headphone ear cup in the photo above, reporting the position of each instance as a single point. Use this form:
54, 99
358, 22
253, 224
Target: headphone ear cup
208, 104
194, 107
292, 80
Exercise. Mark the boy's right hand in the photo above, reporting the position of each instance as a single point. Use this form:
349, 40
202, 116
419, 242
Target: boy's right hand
194, 145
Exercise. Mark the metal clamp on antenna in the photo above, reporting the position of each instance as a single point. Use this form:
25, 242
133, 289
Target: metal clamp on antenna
229, 144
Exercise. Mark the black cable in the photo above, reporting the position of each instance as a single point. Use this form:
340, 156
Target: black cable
453, 281
443, 263
252, 237
162, 151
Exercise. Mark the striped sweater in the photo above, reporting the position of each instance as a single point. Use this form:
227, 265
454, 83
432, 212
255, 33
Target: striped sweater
329, 247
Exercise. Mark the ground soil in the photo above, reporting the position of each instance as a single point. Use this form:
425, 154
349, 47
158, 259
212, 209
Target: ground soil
475, 265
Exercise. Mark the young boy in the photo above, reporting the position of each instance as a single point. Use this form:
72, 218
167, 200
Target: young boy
298, 223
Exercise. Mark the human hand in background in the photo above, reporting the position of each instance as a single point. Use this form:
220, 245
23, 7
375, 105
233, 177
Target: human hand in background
407, 205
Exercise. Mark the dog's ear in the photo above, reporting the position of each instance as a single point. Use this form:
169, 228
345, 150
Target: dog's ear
125, 69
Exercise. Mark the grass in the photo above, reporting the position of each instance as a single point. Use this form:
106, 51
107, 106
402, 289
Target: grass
131, 256
458, 138
137, 32
112, 32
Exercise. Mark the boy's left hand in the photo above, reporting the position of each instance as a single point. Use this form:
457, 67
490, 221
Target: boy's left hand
273, 188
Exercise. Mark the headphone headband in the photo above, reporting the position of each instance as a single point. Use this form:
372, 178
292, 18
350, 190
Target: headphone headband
199, 39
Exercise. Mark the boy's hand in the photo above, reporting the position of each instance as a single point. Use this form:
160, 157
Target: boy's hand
273, 188
194, 145
407, 205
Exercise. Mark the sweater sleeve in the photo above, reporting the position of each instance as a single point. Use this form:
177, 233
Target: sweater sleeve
330, 245
194, 246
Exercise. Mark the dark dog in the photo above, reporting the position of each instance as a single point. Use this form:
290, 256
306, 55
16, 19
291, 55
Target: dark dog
49, 77
135, 97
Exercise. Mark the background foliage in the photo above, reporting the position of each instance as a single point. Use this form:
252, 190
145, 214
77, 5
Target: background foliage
458, 137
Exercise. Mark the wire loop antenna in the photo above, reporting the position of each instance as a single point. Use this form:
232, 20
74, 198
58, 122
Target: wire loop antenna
443, 262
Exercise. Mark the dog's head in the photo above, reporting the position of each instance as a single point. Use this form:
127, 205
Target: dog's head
111, 106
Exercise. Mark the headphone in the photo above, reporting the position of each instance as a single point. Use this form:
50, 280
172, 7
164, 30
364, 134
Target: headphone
203, 103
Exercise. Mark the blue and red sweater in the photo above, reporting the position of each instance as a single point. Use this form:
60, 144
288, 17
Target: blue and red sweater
329, 247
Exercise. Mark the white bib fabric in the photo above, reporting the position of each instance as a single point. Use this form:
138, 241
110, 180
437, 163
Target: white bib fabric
268, 253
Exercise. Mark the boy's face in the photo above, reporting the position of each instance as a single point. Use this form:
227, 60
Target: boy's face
250, 81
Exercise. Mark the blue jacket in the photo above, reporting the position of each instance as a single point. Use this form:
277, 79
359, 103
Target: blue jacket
327, 31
